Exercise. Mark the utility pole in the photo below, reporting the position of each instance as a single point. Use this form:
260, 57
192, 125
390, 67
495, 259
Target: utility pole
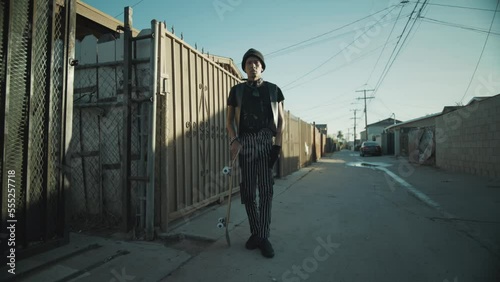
354, 126
366, 114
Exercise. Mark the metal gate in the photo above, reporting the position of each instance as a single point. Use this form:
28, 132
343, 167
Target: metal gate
36, 49
112, 149
388, 143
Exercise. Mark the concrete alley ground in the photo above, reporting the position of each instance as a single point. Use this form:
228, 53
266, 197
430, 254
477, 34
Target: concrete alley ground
345, 218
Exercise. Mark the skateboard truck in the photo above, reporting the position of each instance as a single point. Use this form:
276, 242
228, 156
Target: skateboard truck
226, 170
222, 223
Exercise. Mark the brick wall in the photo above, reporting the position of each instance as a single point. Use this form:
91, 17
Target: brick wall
468, 139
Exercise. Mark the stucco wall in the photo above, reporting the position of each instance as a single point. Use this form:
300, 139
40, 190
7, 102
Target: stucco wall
377, 131
468, 139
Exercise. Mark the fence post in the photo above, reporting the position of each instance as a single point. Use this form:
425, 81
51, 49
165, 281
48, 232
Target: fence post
314, 156
67, 114
150, 186
127, 89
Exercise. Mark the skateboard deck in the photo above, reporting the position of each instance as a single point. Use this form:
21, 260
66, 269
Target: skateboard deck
224, 221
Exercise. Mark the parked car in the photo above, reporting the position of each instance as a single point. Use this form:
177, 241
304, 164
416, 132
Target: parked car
370, 148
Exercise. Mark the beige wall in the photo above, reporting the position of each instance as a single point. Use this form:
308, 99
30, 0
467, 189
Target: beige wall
468, 139
377, 132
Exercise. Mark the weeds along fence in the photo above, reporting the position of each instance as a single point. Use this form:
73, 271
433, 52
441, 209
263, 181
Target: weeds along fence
149, 138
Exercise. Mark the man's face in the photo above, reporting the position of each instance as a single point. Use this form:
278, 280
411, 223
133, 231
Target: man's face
253, 68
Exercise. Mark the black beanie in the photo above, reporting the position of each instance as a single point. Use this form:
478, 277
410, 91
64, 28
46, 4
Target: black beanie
255, 53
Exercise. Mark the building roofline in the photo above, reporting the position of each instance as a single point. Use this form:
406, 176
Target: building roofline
381, 121
451, 108
414, 120
228, 61
480, 99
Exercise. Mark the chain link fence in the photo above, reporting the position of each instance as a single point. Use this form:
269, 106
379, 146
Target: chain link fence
95, 177
98, 137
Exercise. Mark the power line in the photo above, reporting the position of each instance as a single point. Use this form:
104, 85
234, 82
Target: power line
329, 59
403, 45
481, 55
325, 105
337, 118
297, 48
389, 62
434, 21
328, 32
396, 46
386, 41
414, 31
462, 7
322, 114
382, 102
131, 7
336, 69
320, 41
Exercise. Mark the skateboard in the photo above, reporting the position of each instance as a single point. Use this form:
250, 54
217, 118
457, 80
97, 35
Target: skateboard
224, 221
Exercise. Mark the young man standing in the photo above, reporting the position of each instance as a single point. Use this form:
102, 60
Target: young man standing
254, 118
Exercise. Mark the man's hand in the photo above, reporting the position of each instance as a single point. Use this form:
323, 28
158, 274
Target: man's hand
275, 153
235, 147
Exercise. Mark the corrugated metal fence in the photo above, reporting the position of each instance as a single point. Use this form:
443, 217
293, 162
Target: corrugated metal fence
193, 141
191, 144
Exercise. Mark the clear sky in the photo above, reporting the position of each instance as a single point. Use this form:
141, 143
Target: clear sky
320, 64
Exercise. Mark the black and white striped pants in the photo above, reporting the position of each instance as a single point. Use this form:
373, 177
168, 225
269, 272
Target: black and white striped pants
255, 172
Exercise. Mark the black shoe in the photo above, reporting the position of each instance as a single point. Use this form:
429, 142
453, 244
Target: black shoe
266, 248
253, 242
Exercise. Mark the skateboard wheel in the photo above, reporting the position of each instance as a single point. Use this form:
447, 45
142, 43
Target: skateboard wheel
220, 225
221, 219
226, 170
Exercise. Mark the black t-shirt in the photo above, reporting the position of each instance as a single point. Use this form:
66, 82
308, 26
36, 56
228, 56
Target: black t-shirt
256, 112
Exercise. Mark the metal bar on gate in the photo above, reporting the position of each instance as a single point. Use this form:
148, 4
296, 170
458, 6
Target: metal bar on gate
150, 186
67, 112
99, 105
141, 166
142, 37
164, 127
126, 150
111, 64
